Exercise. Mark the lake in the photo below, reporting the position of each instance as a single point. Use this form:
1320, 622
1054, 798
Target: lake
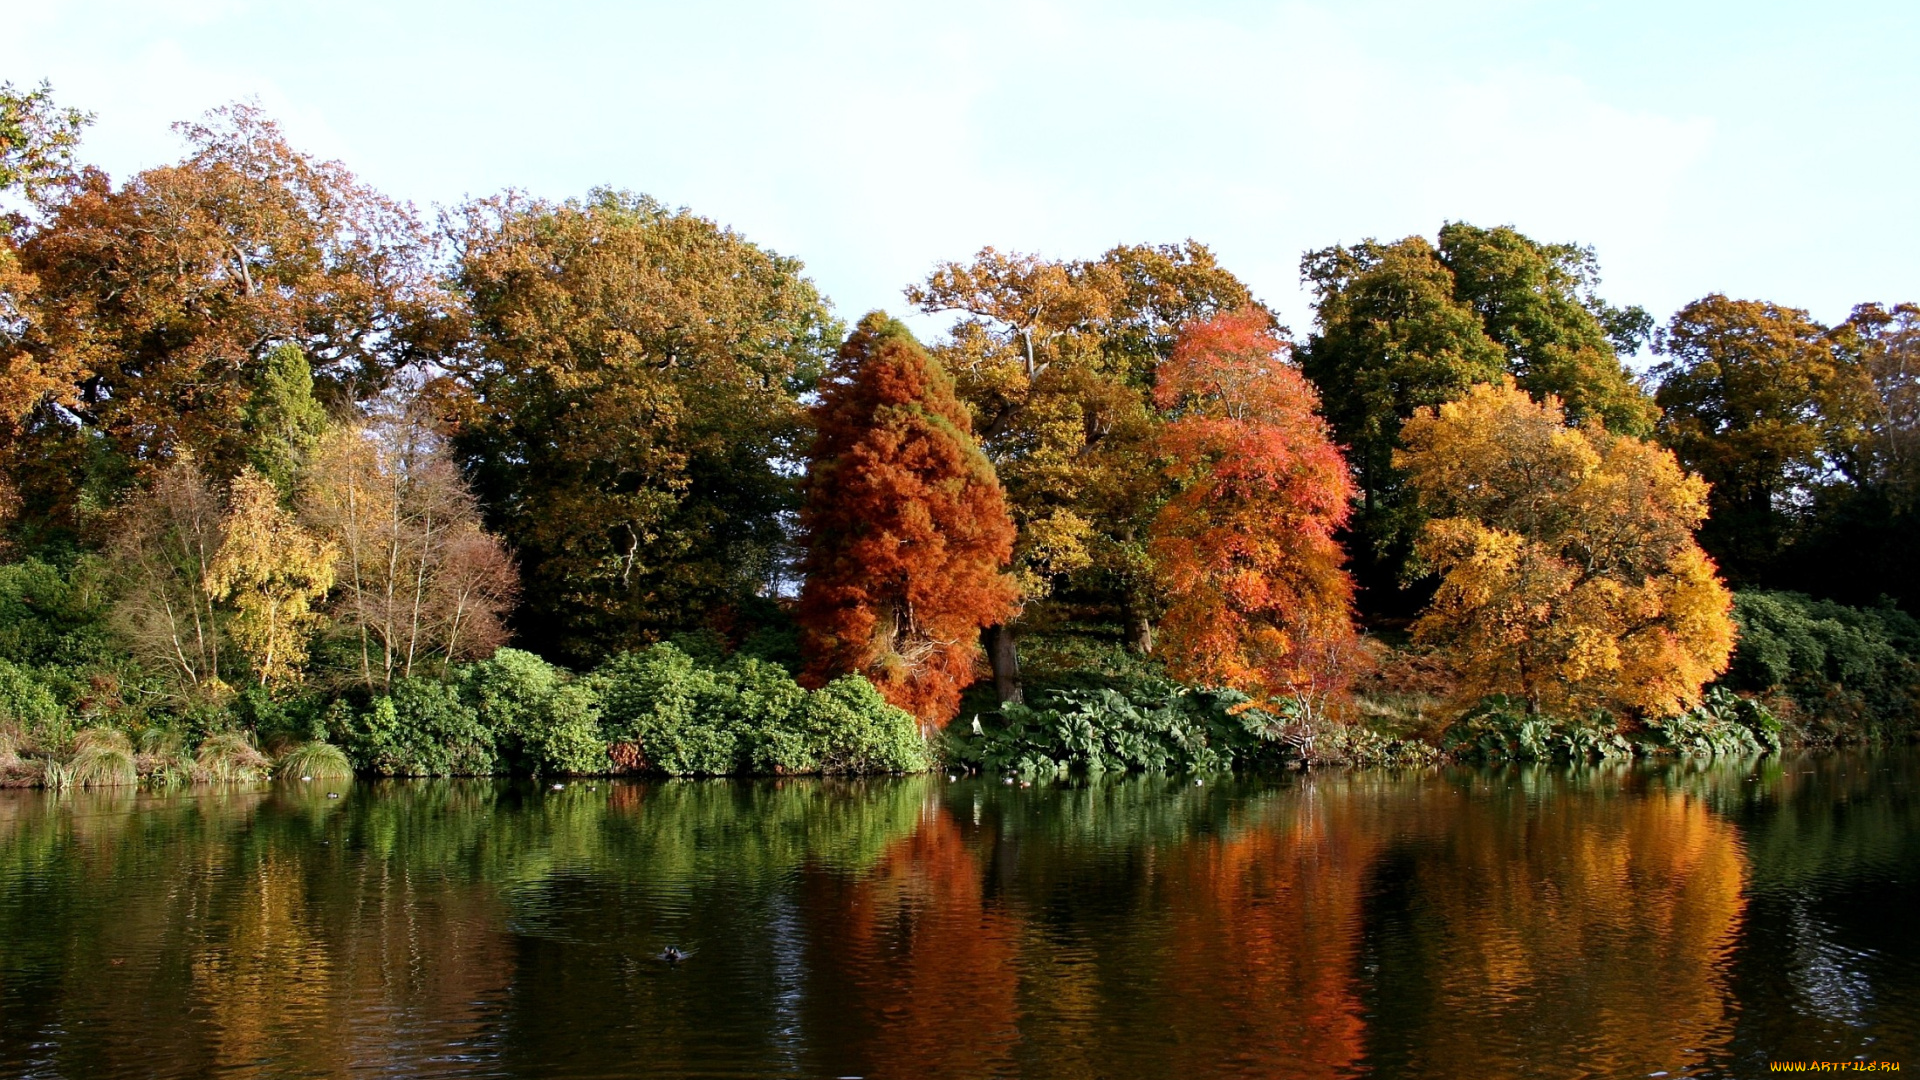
1676, 919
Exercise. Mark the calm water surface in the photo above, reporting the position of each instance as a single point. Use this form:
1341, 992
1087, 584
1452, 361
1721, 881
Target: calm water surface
1624, 922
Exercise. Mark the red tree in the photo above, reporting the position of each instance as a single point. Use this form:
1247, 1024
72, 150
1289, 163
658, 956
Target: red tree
906, 528
1259, 599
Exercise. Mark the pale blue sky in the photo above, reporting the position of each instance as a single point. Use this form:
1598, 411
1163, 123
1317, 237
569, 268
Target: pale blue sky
1763, 150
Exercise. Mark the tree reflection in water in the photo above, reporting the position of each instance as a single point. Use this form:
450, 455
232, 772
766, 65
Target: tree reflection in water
1537, 922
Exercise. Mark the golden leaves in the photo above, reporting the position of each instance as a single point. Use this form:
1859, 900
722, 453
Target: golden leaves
1569, 571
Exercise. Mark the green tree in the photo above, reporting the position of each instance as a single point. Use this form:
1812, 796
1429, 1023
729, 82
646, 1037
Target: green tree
283, 422
628, 409
1390, 338
1407, 325
1538, 302
37, 139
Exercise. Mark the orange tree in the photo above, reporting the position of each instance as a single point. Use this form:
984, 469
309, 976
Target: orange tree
1258, 598
1570, 574
1054, 360
905, 525
157, 305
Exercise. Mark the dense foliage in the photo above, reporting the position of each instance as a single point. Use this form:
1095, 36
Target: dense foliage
1147, 726
905, 527
283, 472
1408, 325
1833, 670
1569, 574
1257, 597
627, 394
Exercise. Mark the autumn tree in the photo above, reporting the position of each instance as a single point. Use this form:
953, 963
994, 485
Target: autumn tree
165, 543
1246, 549
1405, 325
1856, 528
271, 572
631, 387
157, 303
37, 140
1055, 361
906, 528
1569, 575
419, 583
1746, 387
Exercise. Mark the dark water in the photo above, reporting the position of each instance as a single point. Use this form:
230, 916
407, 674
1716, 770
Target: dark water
1534, 922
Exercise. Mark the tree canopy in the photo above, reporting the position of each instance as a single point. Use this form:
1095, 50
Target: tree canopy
1405, 325
1258, 597
1569, 576
628, 406
906, 528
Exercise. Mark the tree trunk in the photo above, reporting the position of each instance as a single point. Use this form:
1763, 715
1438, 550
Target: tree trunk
1005, 660
1139, 631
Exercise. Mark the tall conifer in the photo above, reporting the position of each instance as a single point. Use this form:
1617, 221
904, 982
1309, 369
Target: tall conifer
906, 528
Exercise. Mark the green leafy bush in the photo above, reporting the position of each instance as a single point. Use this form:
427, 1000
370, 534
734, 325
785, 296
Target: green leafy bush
543, 722
747, 715
1145, 726
421, 728
1722, 725
1846, 671
1501, 729
845, 727
26, 699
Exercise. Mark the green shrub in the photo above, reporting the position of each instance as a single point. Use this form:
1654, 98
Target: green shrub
565, 738
684, 715
55, 616
1722, 725
1501, 729
543, 722
421, 728
1146, 726
1849, 671
26, 700
277, 718
845, 727
748, 715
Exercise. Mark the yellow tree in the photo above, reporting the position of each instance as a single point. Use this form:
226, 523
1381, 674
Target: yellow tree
421, 583
270, 571
1570, 574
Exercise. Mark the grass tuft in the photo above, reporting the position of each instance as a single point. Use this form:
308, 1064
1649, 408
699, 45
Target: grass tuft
231, 757
102, 757
322, 761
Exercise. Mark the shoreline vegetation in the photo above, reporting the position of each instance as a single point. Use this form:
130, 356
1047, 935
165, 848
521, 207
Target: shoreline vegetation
295, 481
